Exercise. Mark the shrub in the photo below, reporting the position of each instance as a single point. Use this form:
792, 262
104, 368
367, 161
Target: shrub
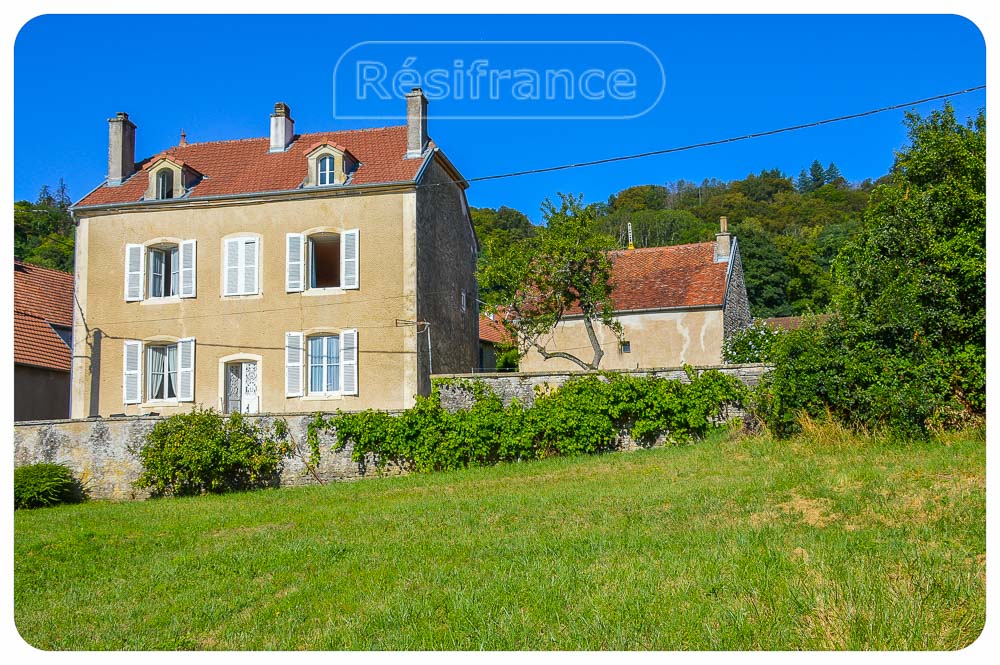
838, 369
201, 451
582, 417
751, 345
43, 485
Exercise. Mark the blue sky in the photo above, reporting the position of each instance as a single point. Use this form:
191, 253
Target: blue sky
725, 76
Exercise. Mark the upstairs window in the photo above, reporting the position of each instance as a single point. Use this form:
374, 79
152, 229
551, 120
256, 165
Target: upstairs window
325, 171
324, 260
164, 269
165, 184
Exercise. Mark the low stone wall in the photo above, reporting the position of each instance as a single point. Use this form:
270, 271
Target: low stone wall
523, 385
101, 452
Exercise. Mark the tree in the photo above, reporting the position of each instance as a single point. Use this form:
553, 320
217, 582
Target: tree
832, 176
640, 197
503, 223
43, 231
915, 275
533, 283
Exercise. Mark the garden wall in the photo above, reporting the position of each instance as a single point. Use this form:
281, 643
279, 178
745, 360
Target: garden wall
100, 451
522, 385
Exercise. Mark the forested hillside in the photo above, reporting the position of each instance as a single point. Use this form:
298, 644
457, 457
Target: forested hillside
43, 229
789, 230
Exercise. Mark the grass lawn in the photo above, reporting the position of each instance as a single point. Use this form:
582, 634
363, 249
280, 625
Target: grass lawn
816, 543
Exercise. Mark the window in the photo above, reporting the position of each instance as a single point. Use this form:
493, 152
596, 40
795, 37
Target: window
168, 367
241, 267
325, 170
324, 364
161, 362
626, 347
165, 184
163, 271
324, 260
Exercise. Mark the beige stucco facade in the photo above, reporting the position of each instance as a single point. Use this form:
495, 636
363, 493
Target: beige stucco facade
667, 338
253, 327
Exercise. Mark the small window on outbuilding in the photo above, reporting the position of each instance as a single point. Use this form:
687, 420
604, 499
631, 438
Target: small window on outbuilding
626, 347
324, 260
165, 184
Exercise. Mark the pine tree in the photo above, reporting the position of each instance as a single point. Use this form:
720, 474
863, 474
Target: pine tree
832, 175
802, 182
817, 176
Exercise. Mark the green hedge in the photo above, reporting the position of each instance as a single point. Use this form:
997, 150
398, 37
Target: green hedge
582, 417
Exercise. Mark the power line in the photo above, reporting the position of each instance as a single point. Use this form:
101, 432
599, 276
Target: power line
706, 144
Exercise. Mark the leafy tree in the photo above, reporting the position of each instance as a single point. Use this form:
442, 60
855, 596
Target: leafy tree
503, 224
640, 197
43, 230
564, 268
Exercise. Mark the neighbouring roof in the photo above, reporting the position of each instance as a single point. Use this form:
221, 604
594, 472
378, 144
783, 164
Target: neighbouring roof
245, 166
668, 277
491, 331
793, 322
42, 298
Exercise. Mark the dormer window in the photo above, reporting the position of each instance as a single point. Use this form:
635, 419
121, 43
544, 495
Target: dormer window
165, 184
326, 170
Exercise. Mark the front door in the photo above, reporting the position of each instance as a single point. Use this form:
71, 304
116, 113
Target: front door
241, 387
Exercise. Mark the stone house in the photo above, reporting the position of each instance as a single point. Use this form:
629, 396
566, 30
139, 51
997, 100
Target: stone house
283, 274
491, 335
676, 304
43, 333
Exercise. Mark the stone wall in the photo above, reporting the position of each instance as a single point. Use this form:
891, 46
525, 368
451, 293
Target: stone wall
101, 452
522, 385
737, 308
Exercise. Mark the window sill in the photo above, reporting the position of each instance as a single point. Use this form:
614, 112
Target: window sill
169, 300
159, 402
326, 291
320, 397
242, 296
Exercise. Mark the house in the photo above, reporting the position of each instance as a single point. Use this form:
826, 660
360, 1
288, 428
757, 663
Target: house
491, 335
43, 333
285, 274
676, 304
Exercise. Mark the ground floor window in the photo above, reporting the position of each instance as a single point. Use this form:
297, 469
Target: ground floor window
324, 364
162, 371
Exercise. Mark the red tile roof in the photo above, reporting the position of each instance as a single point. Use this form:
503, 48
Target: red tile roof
245, 166
661, 277
491, 331
666, 277
42, 296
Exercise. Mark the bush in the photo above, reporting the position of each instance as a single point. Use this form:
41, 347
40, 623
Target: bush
751, 345
582, 417
839, 369
43, 485
201, 451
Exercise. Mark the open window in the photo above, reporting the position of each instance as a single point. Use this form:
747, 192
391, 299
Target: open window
163, 270
322, 260
168, 368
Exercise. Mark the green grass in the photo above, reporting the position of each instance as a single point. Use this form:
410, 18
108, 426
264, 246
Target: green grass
816, 543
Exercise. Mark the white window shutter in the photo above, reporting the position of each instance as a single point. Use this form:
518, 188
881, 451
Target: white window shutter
293, 364
349, 361
294, 262
132, 372
185, 370
134, 255
349, 266
232, 267
189, 281
250, 256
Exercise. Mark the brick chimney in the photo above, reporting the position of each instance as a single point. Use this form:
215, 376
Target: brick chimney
282, 127
121, 149
723, 241
416, 123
